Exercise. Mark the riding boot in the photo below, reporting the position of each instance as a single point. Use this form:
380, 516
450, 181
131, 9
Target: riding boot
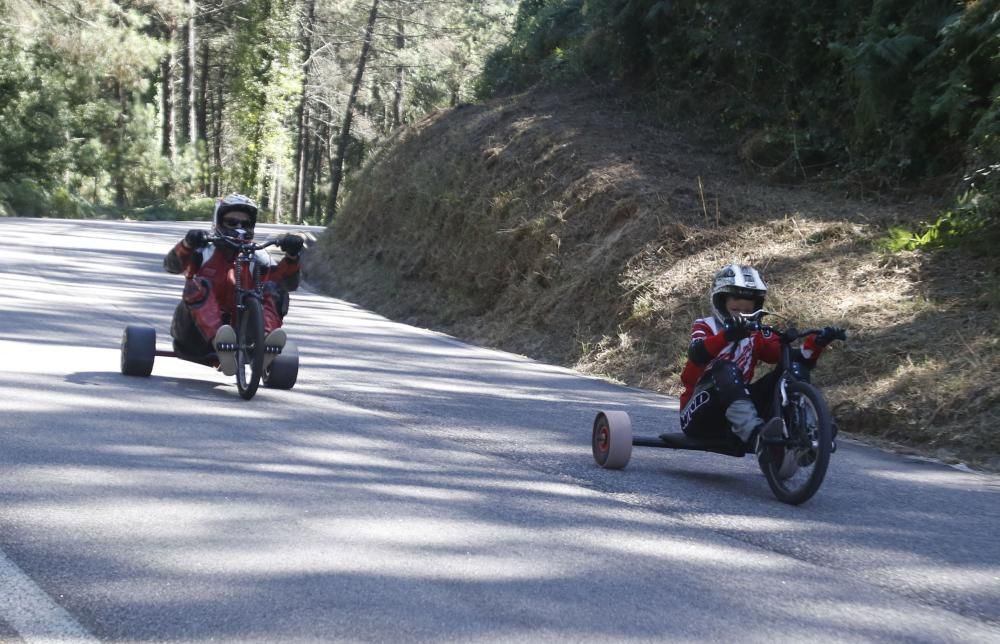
225, 349
275, 336
274, 343
743, 418
748, 426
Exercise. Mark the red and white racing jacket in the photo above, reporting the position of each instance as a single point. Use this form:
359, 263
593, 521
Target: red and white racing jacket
759, 346
216, 265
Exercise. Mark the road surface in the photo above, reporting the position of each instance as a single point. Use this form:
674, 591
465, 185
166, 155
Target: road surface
414, 488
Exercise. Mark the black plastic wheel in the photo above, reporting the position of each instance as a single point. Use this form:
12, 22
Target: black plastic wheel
138, 350
284, 369
796, 470
250, 352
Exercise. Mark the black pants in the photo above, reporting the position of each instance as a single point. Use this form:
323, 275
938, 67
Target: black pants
705, 414
189, 341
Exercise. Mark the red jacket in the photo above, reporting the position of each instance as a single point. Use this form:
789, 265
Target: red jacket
746, 353
216, 265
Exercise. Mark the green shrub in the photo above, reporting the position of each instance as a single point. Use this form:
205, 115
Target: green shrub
888, 91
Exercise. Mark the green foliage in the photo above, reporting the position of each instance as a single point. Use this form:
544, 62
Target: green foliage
546, 40
264, 88
973, 222
174, 208
28, 198
890, 91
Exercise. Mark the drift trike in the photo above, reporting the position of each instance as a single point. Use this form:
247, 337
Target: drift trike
794, 465
138, 349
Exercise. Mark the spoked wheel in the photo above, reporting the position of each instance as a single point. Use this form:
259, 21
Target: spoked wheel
612, 439
250, 352
796, 470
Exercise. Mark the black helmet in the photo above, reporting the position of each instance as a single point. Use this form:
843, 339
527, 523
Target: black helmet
235, 203
739, 281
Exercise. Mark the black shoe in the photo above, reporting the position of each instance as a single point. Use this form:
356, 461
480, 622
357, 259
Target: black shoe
767, 434
833, 437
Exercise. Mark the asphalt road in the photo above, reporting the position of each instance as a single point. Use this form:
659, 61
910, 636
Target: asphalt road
414, 488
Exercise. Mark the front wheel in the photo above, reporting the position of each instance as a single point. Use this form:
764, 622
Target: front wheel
795, 470
250, 349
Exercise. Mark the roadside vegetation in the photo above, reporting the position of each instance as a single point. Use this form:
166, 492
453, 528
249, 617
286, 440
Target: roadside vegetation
623, 151
560, 177
138, 108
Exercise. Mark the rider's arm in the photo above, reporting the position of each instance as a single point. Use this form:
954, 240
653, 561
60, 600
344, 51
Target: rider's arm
286, 272
704, 347
178, 259
810, 350
767, 347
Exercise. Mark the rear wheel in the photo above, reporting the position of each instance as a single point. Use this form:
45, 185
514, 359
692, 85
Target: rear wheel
250, 352
611, 439
138, 350
284, 369
796, 470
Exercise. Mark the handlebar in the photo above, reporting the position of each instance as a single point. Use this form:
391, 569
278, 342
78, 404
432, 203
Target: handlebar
788, 335
235, 243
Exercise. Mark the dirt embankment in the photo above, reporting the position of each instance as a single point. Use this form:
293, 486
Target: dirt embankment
573, 229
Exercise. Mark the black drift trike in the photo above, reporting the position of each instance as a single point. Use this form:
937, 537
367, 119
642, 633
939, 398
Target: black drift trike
794, 466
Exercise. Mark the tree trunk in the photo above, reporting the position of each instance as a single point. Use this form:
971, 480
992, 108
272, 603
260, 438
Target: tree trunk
217, 107
277, 194
318, 146
303, 177
121, 199
397, 99
202, 105
189, 130
168, 143
337, 167
302, 142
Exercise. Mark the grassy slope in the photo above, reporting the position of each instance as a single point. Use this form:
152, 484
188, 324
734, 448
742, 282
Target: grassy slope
568, 228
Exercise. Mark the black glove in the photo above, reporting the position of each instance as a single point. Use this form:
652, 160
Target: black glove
291, 244
739, 327
196, 238
829, 334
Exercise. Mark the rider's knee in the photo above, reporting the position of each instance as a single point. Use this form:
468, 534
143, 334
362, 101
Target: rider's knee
729, 382
196, 291
279, 296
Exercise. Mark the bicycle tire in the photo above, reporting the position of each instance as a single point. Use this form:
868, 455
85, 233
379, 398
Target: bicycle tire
250, 352
808, 420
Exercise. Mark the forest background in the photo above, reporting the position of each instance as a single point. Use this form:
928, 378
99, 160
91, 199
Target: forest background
557, 177
150, 108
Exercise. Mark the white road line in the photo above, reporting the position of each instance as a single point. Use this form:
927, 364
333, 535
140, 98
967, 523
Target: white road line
32, 613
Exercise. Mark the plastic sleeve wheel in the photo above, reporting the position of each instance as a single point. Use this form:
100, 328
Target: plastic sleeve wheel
611, 440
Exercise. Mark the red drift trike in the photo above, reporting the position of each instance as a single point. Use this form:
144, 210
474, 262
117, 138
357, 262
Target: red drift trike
138, 349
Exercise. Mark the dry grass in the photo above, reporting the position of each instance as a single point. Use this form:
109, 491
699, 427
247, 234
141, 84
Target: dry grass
565, 228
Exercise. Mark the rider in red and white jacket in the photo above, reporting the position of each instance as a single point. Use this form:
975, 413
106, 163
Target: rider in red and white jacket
201, 320
720, 397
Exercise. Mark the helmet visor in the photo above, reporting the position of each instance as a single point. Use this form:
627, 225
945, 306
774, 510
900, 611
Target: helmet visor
235, 220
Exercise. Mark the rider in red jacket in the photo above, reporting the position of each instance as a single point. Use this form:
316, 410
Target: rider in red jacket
201, 320
720, 395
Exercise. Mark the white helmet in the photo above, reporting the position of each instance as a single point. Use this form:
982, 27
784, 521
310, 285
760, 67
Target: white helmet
740, 281
231, 203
